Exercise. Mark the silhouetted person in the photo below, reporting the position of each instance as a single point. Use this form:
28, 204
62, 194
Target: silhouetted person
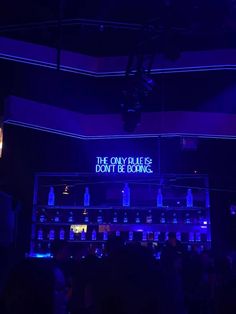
34, 288
171, 270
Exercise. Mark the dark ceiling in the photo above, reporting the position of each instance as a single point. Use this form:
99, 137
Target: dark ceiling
108, 28
119, 27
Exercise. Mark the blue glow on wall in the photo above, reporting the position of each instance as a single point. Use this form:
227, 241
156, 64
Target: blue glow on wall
114, 164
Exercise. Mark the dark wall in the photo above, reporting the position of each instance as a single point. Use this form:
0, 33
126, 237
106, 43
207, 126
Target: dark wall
28, 151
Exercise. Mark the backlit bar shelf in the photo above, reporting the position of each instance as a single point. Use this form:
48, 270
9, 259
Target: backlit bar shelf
65, 217
165, 208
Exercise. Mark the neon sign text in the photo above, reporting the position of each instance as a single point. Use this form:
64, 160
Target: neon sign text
123, 164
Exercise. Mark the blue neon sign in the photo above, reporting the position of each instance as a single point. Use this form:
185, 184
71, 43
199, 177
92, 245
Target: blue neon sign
123, 165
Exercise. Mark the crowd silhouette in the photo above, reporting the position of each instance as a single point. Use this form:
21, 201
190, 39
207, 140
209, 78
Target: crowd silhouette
128, 279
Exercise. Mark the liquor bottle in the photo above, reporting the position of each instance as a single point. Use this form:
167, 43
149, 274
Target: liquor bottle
166, 235
115, 220
178, 236
156, 235
163, 218
189, 198
51, 197
137, 218
105, 235
131, 235
191, 236
198, 237
149, 217
94, 235
144, 236
40, 234
51, 234
86, 216
57, 217
200, 218
99, 252
174, 220
99, 217
83, 235
117, 233
86, 197
126, 195
207, 199
187, 218
42, 217
62, 234
39, 246
125, 218
159, 198
71, 217
71, 235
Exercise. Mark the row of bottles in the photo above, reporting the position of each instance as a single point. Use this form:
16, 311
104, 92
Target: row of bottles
51, 197
62, 234
51, 235
122, 217
126, 197
100, 250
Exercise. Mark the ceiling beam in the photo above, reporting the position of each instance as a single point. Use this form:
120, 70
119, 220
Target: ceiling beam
38, 55
43, 117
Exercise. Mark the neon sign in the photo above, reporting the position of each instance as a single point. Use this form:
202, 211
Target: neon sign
123, 164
